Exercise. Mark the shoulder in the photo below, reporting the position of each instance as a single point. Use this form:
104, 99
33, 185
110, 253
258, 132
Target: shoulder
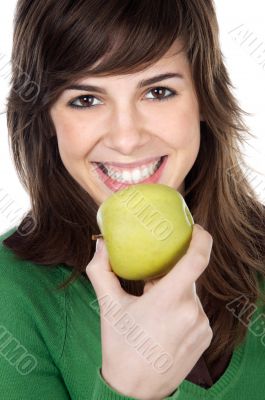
23, 273
19, 276
32, 306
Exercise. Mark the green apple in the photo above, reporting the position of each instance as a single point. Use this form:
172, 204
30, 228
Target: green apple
147, 228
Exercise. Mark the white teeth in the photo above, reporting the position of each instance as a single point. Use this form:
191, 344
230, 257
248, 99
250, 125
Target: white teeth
136, 175
132, 176
145, 172
151, 169
126, 176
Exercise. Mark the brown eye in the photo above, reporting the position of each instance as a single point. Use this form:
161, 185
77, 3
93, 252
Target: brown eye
86, 101
89, 101
159, 93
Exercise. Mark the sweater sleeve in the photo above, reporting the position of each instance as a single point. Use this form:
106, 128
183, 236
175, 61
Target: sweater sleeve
104, 391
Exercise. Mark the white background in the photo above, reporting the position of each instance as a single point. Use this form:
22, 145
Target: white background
242, 34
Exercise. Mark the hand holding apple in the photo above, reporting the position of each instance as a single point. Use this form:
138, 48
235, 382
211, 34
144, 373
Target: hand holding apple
169, 315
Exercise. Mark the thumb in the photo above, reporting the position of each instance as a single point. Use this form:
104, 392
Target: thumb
100, 273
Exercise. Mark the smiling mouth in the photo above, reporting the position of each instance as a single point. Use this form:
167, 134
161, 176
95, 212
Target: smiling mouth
135, 175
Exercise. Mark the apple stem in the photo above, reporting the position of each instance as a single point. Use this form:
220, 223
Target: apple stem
95, 237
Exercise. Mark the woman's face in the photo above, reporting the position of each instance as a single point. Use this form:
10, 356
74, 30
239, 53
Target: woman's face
128, 126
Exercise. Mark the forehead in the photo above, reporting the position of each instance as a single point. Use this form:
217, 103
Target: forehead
174, 60
177, 47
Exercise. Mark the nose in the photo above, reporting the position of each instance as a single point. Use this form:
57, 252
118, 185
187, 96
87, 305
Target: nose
126, 132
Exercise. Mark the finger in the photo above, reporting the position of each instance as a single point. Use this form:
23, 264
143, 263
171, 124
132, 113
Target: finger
101, 275
188, 269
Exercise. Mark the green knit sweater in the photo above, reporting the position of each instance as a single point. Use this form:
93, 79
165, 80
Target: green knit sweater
50, 342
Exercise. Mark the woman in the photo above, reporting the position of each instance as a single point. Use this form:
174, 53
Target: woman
102, 92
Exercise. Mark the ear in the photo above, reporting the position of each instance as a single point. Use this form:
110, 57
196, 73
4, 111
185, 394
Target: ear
201, 117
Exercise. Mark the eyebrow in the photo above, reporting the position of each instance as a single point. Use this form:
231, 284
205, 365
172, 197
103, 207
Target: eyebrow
141, 84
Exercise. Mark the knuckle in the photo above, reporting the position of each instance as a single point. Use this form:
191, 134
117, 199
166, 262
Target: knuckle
205, 327
209, 337
190, 315
200, 336
205, 322
208, 333
209, 330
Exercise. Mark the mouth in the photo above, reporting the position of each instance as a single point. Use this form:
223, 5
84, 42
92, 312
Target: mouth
117, 177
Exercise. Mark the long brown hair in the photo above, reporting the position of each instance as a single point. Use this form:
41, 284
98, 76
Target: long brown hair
55, 43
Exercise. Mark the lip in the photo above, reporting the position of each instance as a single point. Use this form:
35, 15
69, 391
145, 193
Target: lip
114, 185
130, 165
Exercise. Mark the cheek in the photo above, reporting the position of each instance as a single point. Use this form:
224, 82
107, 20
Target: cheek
74, 140
180, 126
184, 131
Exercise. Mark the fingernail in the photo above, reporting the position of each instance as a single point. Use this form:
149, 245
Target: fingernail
99, 244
